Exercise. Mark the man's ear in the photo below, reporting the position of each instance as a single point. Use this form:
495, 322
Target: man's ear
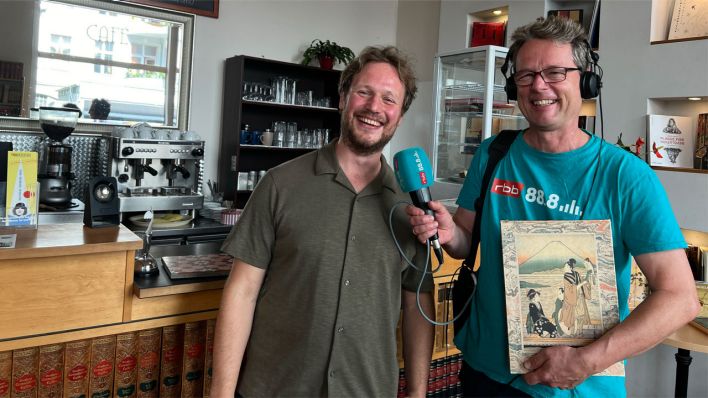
342, 102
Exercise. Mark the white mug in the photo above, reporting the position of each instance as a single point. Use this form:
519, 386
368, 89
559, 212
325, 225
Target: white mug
162, 135
267, 138
145, 132
190, 136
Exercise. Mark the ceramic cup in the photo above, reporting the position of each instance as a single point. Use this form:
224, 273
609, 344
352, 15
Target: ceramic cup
162, 135
145, 132
267, 138
190, 136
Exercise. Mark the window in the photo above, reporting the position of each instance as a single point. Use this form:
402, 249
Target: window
60, 44
138, 59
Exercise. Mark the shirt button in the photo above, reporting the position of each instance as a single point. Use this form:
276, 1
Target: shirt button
353, 237
331, 373
340, 330
346, 283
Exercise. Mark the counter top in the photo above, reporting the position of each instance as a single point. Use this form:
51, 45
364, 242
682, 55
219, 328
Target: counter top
68, 239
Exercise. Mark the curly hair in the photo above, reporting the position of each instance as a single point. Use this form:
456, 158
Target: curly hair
390, 55
558, 29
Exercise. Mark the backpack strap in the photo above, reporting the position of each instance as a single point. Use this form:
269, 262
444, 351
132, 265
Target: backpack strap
497, 150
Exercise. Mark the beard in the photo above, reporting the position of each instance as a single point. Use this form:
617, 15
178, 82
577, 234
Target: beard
356, 143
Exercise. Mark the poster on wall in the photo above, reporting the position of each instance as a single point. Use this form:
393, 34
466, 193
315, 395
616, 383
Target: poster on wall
560, 287
689, 19
670, 140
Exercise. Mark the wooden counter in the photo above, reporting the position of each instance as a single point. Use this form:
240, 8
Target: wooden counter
65, 282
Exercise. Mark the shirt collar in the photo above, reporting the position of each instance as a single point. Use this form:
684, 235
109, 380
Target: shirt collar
326, 163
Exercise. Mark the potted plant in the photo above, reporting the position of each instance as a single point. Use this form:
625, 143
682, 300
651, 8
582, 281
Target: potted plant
326, 52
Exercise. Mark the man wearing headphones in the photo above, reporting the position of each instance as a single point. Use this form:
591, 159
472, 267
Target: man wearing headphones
552, 69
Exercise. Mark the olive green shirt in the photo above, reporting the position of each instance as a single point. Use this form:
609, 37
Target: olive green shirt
325, 320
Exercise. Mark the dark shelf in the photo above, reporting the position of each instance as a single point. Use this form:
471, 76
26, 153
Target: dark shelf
260, 115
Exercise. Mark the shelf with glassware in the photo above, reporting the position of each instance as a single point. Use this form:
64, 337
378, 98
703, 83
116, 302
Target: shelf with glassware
265, 94
470, 106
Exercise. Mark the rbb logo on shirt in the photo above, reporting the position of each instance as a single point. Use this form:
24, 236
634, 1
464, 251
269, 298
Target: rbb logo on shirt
507, 188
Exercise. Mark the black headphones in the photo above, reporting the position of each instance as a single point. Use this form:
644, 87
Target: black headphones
590, 80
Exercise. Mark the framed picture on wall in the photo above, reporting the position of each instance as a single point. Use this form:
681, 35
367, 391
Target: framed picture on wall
207, 8
560, 287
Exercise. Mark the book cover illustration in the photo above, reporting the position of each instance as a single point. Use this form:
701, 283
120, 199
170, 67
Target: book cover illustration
21, 197
209, 356
77, 358
487, 33
126, 370
700, 159
560, 286
171, 362
5, 373
689, 19
193, 362
149, 343
24, 372
103, 354
51, 370
575, 15
670, 141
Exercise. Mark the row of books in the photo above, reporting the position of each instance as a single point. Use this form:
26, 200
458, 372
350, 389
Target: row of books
173, 361
698, 260
444, 379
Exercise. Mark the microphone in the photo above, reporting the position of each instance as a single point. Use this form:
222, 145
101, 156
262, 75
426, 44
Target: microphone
415, 176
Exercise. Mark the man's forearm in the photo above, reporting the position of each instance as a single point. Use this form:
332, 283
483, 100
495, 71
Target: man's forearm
648, 325
233, 327
417, 342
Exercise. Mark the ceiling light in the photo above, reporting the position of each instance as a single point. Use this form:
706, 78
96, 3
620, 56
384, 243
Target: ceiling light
694, 98
497, 12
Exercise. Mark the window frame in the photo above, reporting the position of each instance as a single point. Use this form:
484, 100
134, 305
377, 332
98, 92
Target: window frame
185, 67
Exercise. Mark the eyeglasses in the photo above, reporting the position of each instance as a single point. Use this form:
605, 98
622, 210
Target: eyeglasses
549, 75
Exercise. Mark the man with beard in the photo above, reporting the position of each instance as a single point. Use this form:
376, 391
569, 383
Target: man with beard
312, 302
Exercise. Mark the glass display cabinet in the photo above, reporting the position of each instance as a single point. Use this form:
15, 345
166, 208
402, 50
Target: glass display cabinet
470, 105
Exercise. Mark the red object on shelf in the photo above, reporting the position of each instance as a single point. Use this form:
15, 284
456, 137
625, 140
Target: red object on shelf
326, 62
487, 33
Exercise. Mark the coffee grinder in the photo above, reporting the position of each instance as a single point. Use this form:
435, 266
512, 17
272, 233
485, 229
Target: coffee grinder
55, 174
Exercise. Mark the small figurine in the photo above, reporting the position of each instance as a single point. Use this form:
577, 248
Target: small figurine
621, 144
638, 146
656, 150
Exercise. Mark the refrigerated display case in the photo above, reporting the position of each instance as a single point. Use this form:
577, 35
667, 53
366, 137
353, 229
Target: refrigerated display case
470, 105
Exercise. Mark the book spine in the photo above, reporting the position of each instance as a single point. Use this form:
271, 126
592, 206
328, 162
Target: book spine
24, 372
51, 371
5, 373
193, 362
149, 343
171, 362
209, 355
77, 357
103, 353
126, 370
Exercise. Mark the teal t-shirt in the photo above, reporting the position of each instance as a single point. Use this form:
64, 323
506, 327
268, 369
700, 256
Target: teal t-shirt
533, 185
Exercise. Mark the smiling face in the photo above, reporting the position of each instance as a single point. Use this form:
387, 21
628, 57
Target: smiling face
548, 107
372, 109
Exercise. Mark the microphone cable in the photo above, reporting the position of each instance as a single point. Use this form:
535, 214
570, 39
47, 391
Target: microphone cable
425, 271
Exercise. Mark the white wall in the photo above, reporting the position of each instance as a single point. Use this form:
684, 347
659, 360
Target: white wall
278, 30
417, 36
634, 72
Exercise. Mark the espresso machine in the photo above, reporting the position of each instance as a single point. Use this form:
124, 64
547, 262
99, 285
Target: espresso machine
54, 174
158, 175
